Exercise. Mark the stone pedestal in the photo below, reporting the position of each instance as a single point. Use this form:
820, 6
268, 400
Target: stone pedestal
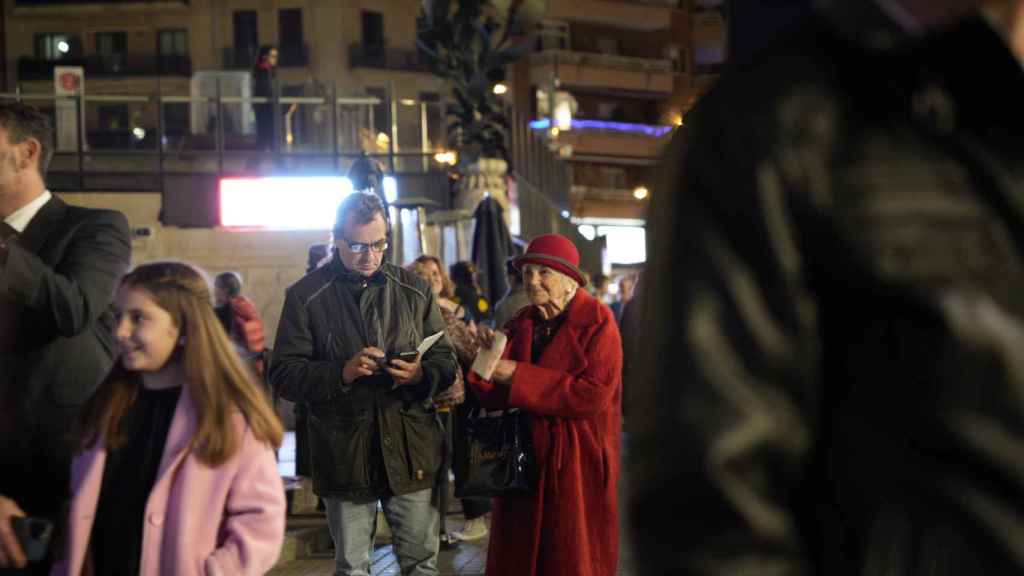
486, 176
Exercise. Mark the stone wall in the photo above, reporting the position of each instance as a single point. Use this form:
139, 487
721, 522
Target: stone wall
269, 261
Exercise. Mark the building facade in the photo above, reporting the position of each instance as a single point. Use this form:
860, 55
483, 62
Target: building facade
626, 71
139, 48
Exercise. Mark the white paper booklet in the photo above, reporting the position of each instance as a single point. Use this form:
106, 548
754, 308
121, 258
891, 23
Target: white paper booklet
487, 358
429, 342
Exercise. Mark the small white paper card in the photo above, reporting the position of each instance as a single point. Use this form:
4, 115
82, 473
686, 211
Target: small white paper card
429, 342
487, 358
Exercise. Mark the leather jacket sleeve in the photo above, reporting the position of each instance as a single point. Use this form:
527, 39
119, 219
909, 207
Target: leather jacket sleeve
294, 373
725, 373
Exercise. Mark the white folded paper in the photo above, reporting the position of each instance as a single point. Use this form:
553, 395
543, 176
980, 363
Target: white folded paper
429, 342
487, 358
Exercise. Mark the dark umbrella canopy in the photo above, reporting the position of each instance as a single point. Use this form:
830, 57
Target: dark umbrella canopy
492, 245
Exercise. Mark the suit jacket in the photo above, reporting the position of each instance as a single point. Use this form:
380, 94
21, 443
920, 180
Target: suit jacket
201, 520
57, 333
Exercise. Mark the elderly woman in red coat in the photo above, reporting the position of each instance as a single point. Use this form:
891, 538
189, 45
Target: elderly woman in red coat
563, 365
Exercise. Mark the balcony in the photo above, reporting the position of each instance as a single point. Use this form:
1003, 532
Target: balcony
603, 71
383, 58
611, 140
73, 2
58, 7
631, 14
293, 55
238, 57
108, 67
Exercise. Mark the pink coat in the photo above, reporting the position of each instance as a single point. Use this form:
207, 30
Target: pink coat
199, 520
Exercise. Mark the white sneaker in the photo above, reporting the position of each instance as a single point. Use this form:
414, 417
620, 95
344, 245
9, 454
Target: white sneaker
474, 529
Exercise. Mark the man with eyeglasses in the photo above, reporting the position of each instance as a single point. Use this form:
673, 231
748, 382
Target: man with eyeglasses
342, 348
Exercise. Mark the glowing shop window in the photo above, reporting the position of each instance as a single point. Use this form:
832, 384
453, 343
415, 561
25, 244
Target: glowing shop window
282, 203
626, 244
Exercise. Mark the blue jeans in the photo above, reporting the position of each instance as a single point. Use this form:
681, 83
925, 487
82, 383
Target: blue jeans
415, 524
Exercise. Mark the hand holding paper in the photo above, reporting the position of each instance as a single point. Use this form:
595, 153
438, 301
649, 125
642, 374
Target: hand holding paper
488, 356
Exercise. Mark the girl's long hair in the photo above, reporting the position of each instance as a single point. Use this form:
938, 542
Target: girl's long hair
218, 381
447, 288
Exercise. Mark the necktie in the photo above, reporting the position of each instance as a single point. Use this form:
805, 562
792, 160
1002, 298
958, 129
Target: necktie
7, 231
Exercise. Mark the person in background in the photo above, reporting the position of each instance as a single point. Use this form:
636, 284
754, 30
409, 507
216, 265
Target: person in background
264, 78
264, 85
626, 284
514, 300
373, 425
176, 472
466, 346
468, 293
59, 268
563, 366
830, 374
631, 331
240, 318
600, 288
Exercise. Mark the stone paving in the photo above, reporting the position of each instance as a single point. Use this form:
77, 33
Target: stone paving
466, 559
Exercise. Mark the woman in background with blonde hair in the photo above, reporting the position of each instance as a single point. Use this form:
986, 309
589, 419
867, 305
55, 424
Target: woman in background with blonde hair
176, 471
464, 338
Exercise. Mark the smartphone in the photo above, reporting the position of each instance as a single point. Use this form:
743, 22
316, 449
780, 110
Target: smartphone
33, 535
404, 356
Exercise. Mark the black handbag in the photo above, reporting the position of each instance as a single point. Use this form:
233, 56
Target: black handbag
494, 456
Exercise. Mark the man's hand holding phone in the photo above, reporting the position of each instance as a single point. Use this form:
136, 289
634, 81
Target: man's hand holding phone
364, 363
405, 368
11, 553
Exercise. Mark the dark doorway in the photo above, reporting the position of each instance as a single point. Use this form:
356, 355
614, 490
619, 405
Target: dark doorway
292, 43
373, 29
247, 37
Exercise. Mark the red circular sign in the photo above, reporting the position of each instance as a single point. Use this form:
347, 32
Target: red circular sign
69, 82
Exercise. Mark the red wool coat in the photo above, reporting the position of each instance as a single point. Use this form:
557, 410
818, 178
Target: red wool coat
571, 526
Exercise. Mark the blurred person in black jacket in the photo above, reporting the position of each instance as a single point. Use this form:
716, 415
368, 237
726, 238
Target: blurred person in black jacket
830, 370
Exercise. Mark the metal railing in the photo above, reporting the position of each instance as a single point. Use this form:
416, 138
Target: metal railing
217, 135
380, 57
30, 3
108, 66
598, 60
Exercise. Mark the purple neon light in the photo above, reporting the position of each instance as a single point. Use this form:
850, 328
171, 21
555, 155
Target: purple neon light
645, 129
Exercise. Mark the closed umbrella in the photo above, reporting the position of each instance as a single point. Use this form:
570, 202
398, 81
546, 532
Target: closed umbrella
492, 245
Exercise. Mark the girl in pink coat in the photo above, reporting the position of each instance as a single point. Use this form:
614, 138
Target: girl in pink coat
176, 473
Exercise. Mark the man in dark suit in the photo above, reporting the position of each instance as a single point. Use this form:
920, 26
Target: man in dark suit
59, 268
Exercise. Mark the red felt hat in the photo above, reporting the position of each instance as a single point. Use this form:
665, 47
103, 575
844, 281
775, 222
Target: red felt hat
556, 252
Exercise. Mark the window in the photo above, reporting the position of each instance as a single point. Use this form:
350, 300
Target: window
381, 116
112, 48
373, 29
176, 120
435, 119
114, 118
289, 27
553, 36
247, 38
172, 43
52, 46
289, 32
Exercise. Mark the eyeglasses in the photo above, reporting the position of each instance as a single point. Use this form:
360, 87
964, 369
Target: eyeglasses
360, 247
